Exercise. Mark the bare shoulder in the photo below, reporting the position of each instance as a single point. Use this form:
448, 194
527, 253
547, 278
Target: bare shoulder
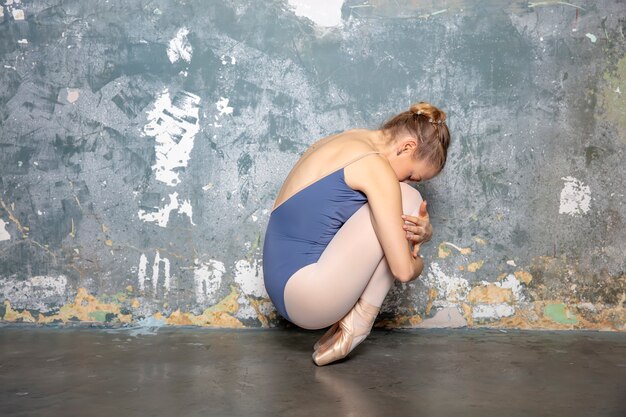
370, 174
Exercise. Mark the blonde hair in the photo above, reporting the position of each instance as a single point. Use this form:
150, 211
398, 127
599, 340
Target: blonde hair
427, 124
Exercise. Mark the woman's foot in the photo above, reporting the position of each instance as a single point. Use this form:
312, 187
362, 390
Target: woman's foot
352, 330
327, 336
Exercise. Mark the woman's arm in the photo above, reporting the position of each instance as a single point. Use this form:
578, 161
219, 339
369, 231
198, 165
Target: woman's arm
375, 177
418, 229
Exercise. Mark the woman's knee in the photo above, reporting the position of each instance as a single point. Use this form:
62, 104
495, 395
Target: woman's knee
411, 199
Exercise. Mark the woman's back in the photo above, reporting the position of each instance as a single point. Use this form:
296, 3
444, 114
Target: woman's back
323, 157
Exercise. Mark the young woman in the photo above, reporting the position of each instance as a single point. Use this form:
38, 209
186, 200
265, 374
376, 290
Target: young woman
337, 236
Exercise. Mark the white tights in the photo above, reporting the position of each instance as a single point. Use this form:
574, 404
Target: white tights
351, 267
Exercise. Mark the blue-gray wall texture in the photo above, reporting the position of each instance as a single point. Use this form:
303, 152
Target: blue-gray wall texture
143, 143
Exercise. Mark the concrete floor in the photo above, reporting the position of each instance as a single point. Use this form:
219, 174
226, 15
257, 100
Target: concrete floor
197, 372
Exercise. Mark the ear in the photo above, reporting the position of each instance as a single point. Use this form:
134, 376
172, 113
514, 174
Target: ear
408, 144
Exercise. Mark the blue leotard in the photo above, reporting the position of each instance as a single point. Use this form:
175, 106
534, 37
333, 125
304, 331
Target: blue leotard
300, 228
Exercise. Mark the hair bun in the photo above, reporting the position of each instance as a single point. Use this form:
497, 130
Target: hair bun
434, 114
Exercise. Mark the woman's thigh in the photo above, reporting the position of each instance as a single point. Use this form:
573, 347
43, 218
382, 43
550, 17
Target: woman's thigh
320, 294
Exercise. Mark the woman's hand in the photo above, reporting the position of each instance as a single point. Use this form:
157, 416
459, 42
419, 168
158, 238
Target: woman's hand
418, 229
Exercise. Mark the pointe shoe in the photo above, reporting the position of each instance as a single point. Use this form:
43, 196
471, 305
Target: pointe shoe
327, 336
353, 329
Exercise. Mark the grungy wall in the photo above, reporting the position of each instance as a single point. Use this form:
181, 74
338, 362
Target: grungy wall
143, 143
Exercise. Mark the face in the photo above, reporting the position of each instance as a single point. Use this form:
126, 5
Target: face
420, 170
410, 169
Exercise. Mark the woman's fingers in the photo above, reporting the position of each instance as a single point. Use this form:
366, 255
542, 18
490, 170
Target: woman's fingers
410, 219
416, 249
418, 229
416, 233
423, 210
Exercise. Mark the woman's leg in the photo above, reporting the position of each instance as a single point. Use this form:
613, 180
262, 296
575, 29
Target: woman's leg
374, 294
351, 267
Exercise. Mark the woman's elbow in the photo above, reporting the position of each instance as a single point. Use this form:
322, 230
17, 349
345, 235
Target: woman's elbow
406, 275
411, 272
405, 278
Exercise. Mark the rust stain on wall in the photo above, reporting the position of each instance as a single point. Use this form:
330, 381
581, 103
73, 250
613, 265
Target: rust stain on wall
467, 314
490, 294
399, 321
445, 249
534, 317
523, 276
87, 308
219, 315
17, 316
475, 266
256, 305
432, 295
503, 297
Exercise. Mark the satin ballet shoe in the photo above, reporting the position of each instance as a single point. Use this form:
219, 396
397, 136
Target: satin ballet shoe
327, 336
354, 327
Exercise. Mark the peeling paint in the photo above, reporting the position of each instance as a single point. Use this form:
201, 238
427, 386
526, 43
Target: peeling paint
559, 313
37, 293
494, 300
142, 276
450, 288
432, 296
511, 282
324, 13
14, 316
162, 215
87, 308
249, 278
475, 266
219, 315
207, 279
265, 310
72, 95
174, 124
179, 47
4, 234
557, 316
223, 107
575, 197
447, 317
225, 61
18, 14
467, 314
23, 229
490, 294
492, 311
523, 276
443, 251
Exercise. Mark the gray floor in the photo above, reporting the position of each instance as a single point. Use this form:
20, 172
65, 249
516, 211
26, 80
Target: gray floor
197, 372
